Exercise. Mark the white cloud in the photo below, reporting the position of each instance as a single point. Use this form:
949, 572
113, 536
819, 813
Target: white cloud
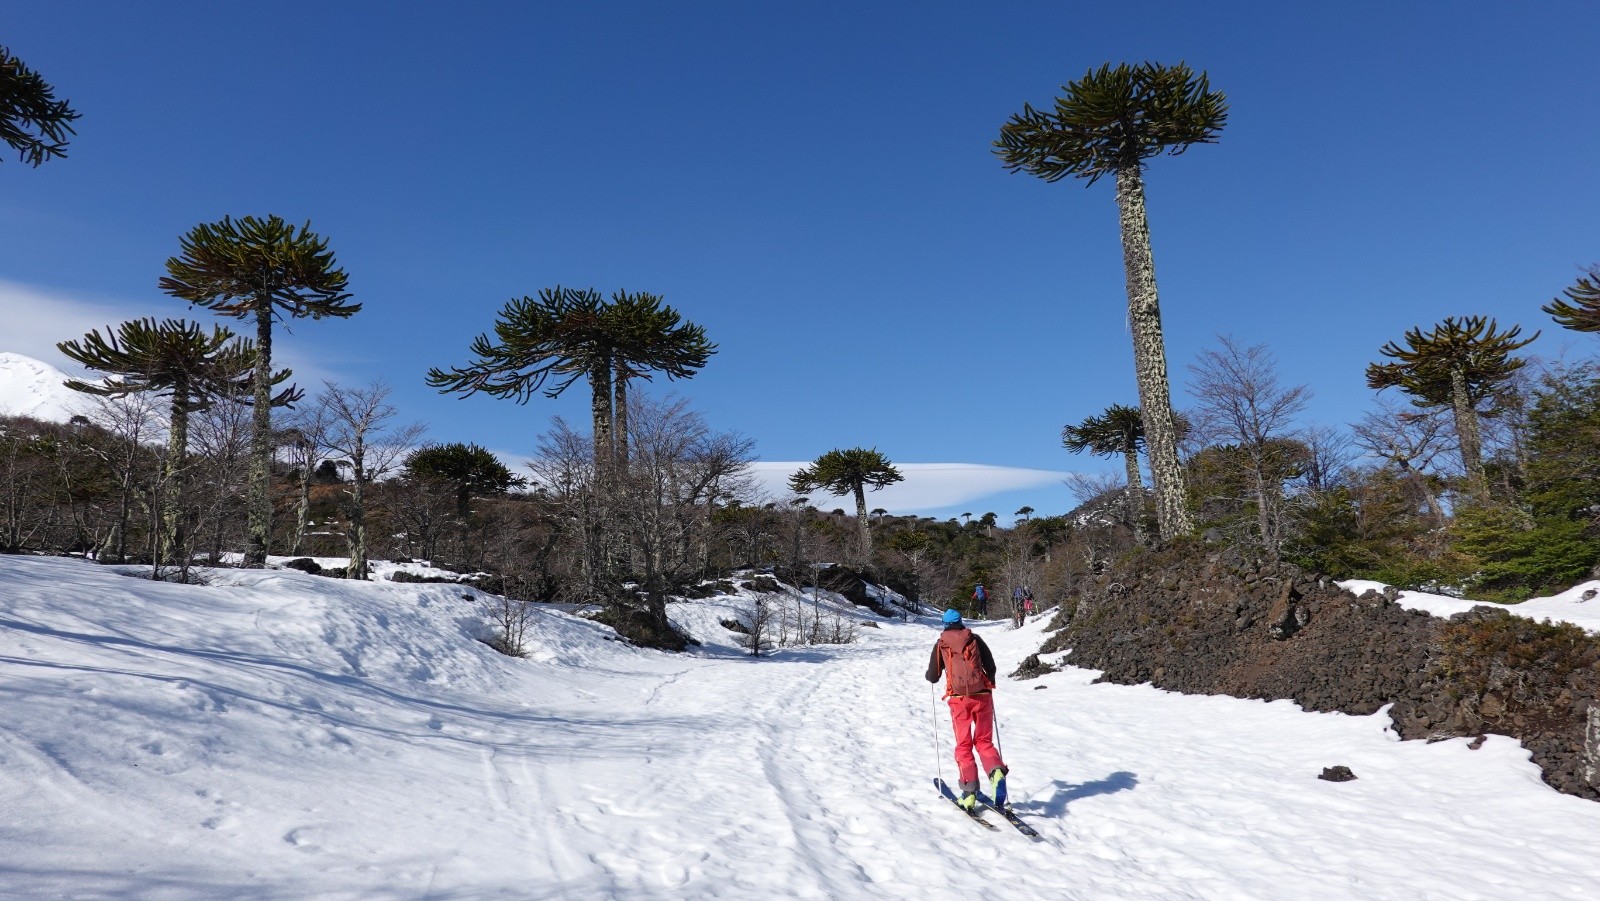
36, 318
927, 486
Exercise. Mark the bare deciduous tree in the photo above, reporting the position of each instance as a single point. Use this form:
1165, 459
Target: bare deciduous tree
360, 434
1241, 401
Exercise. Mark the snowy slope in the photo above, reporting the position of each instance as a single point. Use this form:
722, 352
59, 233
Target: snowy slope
280, 735
30, 387
1569, 606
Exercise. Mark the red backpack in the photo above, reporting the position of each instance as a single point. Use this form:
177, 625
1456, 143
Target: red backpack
963, 665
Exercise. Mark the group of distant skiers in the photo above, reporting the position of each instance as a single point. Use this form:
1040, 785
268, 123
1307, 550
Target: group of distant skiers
1021, 603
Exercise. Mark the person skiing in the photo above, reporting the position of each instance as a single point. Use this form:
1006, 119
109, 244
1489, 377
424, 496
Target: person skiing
968, 669
1027, 606
1017, 594
982, 597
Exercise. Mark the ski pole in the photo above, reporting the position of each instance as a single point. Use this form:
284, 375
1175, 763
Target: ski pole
938, 756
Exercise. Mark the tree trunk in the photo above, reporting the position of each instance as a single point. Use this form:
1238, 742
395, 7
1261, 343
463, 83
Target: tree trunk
172, 537
862, 525
302, 510
600, 409
1471, 438
620, 413
1134, 500
358, 515
1150, 357
258, 516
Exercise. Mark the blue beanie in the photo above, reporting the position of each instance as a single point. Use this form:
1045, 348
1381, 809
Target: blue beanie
952, 616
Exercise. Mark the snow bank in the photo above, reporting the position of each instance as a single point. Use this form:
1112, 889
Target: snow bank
275, 734
1569, 606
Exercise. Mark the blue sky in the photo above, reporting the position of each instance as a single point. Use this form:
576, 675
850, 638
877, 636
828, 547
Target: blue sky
814, 184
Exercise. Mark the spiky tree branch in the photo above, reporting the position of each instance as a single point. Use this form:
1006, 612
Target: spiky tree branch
32, 120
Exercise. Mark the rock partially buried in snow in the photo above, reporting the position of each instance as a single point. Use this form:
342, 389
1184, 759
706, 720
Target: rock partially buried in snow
1337, 774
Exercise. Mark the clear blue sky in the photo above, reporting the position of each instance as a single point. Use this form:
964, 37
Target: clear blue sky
813, 182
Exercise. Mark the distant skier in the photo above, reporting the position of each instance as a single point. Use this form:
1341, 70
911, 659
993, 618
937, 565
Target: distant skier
969, 672
1027, 607
981, 597
1018, 593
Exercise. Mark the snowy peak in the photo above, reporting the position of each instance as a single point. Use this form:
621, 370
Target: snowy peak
30, 387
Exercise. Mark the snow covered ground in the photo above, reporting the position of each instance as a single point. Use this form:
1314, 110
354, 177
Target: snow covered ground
1570, 606
30, 387
279, 735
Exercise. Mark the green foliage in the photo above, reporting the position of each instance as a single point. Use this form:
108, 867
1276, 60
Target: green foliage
32, 120
173, 358
470, 470
842, 472
1113, 118
1119, 430
1579, 309
1511, 555
568, 334
253, 267
1472, 348
1563, 469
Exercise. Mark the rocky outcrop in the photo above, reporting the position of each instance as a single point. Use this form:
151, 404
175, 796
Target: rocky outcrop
1209, 621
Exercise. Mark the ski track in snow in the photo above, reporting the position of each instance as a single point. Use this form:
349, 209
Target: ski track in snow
277, 735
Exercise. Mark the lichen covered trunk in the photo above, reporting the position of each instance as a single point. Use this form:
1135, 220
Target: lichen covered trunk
600, 409
865, 527
1135, 494
620, 414
172, 537
258, 514
1471, 438
1150, 357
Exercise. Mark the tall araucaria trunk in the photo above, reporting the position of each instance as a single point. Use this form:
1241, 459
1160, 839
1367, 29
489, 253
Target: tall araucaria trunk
620, 413
173, 538
1467, 430
1150, 357
1135, 494
863, 525
302, 510
258, 516
600, 409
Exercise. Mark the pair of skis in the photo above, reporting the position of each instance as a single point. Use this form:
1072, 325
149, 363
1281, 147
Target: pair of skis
997, 805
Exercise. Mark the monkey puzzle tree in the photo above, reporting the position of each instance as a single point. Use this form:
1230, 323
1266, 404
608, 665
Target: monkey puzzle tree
176, 359
570, 334
470, 471
32, 121
842, 472
260, 269
1579, 310
1119, 430
1459, 364
1108, 123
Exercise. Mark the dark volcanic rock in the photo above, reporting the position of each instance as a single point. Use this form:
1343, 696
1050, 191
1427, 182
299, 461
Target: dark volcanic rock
1337, 774
1212, 620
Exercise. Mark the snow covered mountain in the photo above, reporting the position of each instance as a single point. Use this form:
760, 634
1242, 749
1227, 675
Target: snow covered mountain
30, 387
277, 734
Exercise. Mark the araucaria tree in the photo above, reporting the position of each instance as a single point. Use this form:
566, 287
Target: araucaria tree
1118, 431
179, 360
549, 342
1108, 123
259, 269
32, 121
1459, 364
1579, 310
841, 472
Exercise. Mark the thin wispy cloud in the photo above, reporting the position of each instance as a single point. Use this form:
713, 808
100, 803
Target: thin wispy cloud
37, 318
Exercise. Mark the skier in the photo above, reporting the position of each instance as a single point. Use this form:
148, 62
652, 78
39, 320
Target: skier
1017, 595
969, 672
982, 597
1027, 607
